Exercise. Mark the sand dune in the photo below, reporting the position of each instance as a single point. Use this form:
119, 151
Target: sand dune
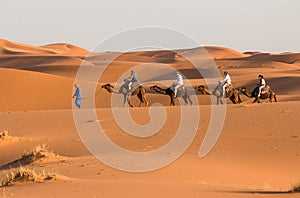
214, 52
13, 48
289, 58
257, 152
59, 65
64, 48
223, 53
60, 59
252, 53
25, 91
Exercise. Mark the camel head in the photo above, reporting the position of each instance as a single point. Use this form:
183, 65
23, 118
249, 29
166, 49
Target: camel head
203, 90
108, 87
200, 88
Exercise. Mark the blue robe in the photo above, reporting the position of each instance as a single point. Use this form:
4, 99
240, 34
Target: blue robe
78, 99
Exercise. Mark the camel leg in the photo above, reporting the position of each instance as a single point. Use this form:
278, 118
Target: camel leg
172, 100
139, 95
128, 101
124, 99
256, 100
233, 100
185, 99
271, 98
127, 98
142, 96
189, 98
239, 99
145, 100
236, 98
275, 98
218, 100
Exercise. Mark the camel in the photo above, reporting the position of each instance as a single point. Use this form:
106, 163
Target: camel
139, 91
232, 94
266, 93
184, 93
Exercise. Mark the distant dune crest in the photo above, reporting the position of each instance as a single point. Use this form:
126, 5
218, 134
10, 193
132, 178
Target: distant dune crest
13, 48
215, 52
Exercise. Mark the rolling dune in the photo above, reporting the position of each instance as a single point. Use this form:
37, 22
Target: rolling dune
257, 154
13, 48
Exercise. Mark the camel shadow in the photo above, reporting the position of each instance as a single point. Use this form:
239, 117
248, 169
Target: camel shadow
262, 192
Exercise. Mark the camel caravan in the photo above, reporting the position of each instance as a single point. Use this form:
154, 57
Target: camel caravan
224, 89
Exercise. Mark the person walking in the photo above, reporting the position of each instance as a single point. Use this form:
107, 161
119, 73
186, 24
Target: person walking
77, 95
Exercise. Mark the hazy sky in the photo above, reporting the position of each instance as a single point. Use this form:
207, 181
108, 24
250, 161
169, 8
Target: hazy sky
263, 25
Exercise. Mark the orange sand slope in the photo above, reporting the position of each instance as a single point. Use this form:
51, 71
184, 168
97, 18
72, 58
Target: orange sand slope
48, 72
257, 154
10, 48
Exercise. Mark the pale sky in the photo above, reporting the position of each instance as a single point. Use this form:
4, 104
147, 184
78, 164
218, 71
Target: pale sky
253, 25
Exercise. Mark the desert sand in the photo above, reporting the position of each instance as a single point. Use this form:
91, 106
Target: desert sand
257, 154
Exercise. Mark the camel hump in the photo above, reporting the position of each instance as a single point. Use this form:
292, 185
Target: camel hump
135, 85
228, 88
265, 89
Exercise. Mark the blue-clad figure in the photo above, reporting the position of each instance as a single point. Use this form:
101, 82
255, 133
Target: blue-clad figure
77, 95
